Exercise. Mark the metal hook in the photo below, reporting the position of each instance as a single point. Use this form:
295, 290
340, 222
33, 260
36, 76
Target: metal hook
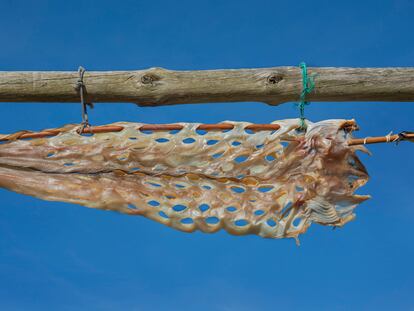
80, 87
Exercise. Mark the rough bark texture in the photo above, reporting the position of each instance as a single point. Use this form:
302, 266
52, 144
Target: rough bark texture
157, 86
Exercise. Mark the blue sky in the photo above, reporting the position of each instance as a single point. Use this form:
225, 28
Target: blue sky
56, 256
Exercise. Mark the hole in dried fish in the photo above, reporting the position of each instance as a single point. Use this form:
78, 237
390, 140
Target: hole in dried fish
162, 140
174, 131
188, 140
270, 158
154, 203
180, 186
201, 132
212, 220
204, 207
88, 134
241, 222
132, 138
286, 208
187, 221
132, 206
296, 221
241, 159
236, 143
69, 164
259, 212
148, 132
265, 188
271, 222
179, 208
237, 189
163, 215
217, 155
212, 142
259, 146
231, 208
153, 184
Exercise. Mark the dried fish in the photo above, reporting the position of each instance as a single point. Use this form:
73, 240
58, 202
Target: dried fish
270, 183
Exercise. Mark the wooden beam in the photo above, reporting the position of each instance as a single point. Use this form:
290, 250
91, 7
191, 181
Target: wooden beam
158, 86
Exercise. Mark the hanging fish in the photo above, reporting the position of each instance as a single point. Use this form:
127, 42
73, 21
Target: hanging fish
270, 183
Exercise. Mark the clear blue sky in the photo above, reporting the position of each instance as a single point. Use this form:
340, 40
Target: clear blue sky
56, 256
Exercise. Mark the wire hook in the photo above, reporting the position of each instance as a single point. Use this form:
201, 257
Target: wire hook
404, 135
80, 87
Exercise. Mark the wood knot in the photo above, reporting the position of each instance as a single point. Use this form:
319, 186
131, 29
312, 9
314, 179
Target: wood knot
149, 78
274, 78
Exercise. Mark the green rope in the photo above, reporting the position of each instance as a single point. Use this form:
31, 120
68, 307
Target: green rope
308, 84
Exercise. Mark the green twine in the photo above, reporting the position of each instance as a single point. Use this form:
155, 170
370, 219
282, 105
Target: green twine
308, 84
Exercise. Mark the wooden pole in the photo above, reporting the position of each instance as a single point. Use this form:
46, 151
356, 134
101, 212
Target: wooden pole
158, 86
381, 139
208, 127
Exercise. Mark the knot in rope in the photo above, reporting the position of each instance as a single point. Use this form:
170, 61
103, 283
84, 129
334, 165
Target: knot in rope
308, 84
